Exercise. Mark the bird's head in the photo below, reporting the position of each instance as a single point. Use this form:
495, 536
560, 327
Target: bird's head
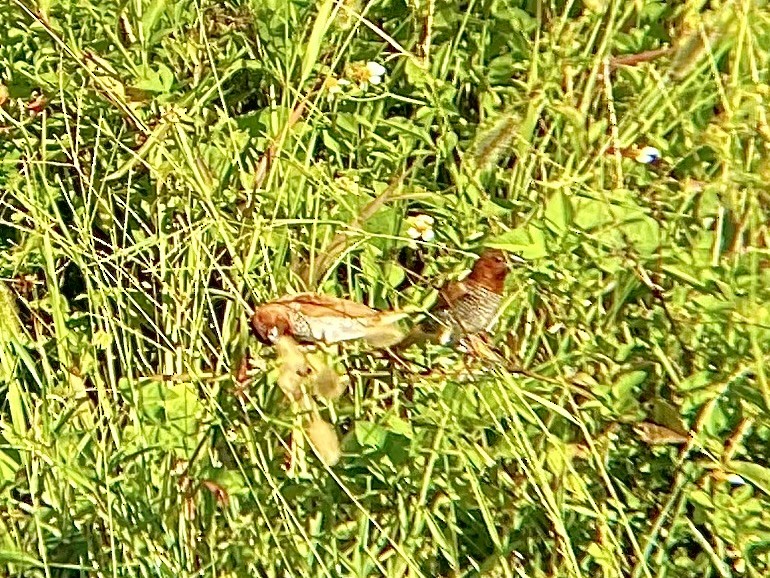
270, 322
490, 270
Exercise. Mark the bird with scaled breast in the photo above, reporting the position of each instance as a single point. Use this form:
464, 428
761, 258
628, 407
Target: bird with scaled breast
465, 307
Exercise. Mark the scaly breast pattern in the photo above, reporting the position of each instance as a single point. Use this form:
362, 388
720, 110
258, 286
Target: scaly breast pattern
473, 312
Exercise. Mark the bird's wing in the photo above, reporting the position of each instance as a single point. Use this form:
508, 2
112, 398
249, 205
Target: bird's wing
451, 293
318, 305
331, 319
349, 329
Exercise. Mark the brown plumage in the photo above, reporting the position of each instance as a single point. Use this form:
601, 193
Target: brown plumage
316, 318
465, 307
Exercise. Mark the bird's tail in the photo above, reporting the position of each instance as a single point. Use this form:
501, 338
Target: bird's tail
385, 331
380, 336
422, 334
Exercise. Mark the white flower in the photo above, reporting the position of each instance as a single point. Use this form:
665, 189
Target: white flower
335, 85
365, 74
375, 71
421, 227
648, 155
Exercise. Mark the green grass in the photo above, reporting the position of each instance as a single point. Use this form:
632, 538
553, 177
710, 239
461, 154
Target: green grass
189, 162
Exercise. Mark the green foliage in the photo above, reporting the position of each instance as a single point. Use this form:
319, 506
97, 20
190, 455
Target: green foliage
166, 165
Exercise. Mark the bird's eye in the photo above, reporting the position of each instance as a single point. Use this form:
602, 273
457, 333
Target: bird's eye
272, 335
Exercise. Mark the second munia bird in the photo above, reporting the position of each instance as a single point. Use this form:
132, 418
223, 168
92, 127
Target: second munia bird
465, 307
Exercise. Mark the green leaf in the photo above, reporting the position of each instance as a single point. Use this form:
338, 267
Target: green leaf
528, 125
166, 77
643, 232
9, 462
683, 275
718, 420
756, 474
618, 223
314, 43
152, 15
370, 434
330, 143
597, 130
667, 414
500, 70
590, 213
415, 73
398, 426
439, 538
527, 241
696, 381
10, 327
628, 381
158, 81
624, 392
395, 274
19, 558
558, 213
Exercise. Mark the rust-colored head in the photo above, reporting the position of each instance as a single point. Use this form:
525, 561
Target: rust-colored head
270, 322
490, 270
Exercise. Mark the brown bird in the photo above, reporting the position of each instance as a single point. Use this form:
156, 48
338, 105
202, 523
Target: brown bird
465, 307
316, 318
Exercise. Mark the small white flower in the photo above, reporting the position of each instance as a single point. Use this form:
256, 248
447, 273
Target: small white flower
365, 74
335, 85
421, 227
376, 71
648, 155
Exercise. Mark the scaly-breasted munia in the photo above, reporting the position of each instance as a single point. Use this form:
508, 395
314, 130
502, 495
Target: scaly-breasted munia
465, 307
316, 318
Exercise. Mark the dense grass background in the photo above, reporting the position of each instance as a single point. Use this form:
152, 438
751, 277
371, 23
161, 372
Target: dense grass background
166, 165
